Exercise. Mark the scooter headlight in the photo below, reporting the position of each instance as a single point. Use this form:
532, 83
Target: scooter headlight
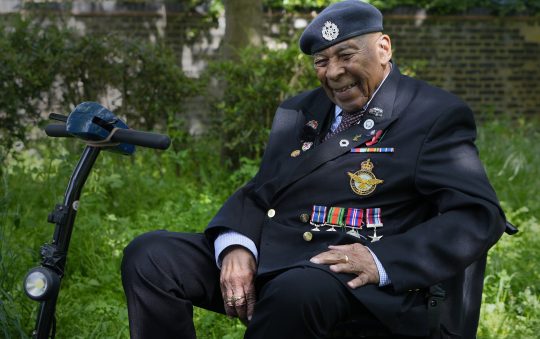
40, 283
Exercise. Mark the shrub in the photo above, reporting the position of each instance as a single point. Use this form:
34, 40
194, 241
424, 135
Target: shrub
252, 88
50, 67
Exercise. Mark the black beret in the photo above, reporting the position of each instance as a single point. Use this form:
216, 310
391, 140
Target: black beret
339, 22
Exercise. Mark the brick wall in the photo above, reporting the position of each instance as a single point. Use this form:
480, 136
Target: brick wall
492, 63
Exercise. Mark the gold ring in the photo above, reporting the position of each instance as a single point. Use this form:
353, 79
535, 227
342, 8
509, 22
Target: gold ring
346, 259
234, 299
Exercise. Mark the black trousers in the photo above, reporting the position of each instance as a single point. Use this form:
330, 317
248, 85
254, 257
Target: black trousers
165, 273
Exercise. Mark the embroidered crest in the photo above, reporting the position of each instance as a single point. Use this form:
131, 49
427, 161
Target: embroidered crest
364, 182
330, 31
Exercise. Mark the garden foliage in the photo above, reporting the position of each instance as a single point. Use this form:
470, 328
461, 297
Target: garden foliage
253, 87
48, 67
126, 196
181, 189
499, 7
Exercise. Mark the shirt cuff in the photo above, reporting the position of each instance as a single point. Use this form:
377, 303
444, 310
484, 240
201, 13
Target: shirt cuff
230, 238
384, 279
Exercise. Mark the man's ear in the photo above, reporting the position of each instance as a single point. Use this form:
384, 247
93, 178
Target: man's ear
384, 48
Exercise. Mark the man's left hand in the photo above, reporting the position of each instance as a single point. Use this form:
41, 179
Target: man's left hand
353, 258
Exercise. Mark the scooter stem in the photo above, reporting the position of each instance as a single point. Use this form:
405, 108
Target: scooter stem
54, 255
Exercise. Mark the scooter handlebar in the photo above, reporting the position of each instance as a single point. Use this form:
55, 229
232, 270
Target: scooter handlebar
57, 131
128, 136
140, 138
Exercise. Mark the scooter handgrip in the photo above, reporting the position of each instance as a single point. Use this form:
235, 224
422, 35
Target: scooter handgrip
57, 131
139, 138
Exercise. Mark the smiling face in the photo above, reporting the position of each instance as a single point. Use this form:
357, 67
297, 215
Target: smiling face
351, 71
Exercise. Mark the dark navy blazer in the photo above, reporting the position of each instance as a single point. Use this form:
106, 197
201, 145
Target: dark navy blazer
439, 211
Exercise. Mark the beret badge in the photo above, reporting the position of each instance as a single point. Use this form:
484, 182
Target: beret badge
330, 31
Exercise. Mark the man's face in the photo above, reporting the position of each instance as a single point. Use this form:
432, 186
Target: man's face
351, 70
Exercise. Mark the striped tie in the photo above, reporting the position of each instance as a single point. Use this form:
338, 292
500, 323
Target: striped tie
347, 120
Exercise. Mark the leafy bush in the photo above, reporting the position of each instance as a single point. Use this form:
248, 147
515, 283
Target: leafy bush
48, 67
253, 87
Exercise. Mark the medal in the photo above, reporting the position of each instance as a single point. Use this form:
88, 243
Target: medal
353, 220
318, 217
373, 220
335, 218
363, 181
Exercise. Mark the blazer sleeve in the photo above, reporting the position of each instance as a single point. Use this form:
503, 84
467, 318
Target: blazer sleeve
240, 213
450, 175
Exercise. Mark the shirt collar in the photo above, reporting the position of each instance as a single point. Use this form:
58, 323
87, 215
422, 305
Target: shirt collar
337, 110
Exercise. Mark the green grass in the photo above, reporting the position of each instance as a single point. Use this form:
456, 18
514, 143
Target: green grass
126, 196
511, 300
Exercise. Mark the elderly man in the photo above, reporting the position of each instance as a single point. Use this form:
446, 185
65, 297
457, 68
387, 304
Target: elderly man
370, 204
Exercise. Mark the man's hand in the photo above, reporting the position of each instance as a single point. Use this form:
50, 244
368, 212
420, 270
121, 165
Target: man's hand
237, 273
353, 258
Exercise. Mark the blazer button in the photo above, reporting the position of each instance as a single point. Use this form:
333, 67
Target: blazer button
271, 213
307, 236
304, 217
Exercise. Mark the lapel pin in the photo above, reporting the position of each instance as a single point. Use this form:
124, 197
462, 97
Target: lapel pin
295, 153
357, 137
306, 145
344, 143
376, 137
369, 123
313, 124
376, 111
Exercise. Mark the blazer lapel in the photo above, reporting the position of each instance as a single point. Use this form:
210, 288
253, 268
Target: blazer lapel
317, 110
380, 112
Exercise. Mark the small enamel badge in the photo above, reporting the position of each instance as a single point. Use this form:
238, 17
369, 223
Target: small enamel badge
330, 31
376, 111
295, 153
344, 143
364, 182
306, 145
313, 124
369, 123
